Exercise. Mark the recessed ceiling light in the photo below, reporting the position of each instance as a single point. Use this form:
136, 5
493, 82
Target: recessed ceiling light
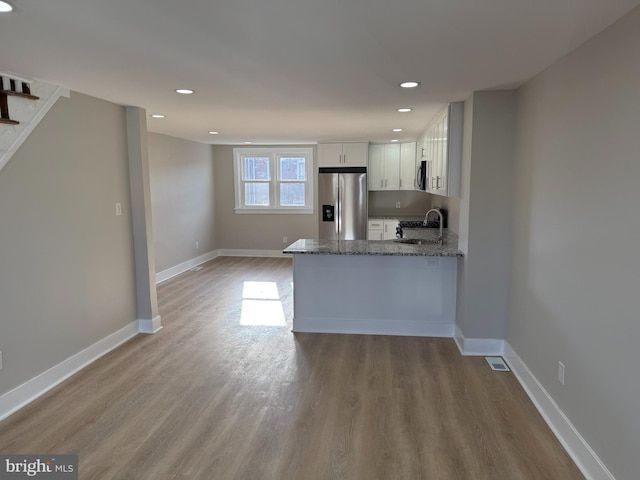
397, 129
404, 110
5, 7
394, 140
158, 115
213, 133
409, 84
185, 91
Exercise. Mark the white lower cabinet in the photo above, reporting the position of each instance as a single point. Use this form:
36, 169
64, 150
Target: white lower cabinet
390, 229
382, 229
375, 230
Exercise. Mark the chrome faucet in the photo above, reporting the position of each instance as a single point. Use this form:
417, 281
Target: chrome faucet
425, 223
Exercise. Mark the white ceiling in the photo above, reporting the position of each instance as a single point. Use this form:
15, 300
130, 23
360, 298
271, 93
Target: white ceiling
293, 71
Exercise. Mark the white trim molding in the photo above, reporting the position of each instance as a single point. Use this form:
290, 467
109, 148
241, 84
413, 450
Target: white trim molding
478, 346
411, 328
184, 266
275, 180
165, 275
13, 136
24, 394
225, 252
576, 446
150, 326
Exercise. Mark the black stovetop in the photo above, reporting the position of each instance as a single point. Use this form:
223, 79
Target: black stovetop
419, 224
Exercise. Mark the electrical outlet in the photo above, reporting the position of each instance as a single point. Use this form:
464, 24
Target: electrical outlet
197, 245
284, 239
561, 372
397, 204
118, 209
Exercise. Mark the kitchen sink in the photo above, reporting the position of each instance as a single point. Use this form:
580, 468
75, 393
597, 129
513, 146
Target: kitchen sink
412, 241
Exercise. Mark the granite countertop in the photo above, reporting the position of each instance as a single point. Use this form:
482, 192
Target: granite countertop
382, 247
411, 218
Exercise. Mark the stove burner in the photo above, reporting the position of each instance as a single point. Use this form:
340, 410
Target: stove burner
419, 224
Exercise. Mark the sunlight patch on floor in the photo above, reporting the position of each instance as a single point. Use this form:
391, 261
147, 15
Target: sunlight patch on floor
261, 305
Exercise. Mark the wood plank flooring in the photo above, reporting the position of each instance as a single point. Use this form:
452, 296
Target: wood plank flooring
226, 391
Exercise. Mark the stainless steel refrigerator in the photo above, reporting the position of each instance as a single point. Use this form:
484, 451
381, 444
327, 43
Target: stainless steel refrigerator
342, 200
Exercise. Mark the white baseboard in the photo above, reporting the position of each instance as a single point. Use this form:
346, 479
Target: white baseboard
478, 346
372, 327
24, 394
241, 252
576, 446
150, 326
223, 252
184, 266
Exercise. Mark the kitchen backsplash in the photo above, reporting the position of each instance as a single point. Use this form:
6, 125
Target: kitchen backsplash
411, 203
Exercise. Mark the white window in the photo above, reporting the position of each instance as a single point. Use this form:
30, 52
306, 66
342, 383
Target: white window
273, 180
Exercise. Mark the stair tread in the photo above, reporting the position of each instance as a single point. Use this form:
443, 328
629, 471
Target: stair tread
19, 94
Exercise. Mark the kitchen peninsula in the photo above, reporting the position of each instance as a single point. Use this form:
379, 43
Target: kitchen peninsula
376, 287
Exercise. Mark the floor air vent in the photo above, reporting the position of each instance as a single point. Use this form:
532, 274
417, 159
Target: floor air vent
195, 269
497, 363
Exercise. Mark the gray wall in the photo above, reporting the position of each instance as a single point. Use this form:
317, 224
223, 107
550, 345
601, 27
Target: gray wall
576, 269
411, 203
66, 261
182, 199
452, 206
485, 213
246, 231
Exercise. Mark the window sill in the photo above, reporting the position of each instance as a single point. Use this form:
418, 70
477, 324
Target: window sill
275, 211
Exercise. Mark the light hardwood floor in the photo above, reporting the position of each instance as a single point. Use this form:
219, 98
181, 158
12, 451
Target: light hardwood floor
214, 396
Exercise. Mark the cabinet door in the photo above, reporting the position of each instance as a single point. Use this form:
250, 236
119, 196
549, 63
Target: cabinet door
454, 149
408, 166
355, 154
376, 167
431, 159
441, 174
329, 154
374, 234
375, 229
443, 151
389, 232
436, 148
392, 166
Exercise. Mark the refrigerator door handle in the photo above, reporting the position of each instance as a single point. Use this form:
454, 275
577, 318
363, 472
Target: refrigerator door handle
340, 213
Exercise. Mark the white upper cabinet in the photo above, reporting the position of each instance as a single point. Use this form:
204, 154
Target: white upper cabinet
384, 167
342, 154
392, 166
355, 154
442, 149
375, 171
408, 166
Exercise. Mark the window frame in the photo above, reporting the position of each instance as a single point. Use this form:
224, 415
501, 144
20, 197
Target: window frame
274, 154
